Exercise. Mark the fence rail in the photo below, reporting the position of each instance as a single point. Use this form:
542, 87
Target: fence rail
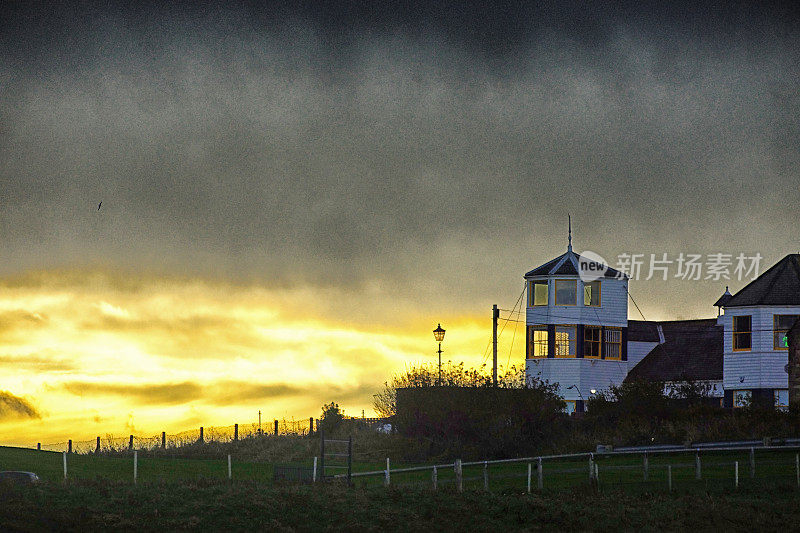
712, 463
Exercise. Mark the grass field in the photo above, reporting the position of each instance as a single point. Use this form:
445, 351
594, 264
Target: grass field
615, 472
96, 505
194, 494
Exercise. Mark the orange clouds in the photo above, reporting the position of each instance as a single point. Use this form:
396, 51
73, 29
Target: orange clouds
96, 348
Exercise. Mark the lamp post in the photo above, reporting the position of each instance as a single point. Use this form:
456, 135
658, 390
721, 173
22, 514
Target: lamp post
438, 334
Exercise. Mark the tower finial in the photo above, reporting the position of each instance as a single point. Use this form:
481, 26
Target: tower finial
569, 242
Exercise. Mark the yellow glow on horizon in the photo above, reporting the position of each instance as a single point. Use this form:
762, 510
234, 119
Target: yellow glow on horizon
106, 353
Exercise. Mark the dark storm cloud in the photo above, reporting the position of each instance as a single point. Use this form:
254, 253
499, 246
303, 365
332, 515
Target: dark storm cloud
215, 393
344, 144
148, 394
12, 406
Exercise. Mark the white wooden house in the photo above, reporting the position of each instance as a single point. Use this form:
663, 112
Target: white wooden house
579, 336
755, 321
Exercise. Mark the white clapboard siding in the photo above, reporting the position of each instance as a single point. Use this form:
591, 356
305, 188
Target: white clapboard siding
585, 374
762, 366
613, 310
637, 350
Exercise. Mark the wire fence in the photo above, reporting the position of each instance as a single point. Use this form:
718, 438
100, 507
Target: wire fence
206, 434
717, 467
281, 427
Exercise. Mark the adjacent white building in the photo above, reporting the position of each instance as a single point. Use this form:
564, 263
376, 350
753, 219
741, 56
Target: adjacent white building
579, 335
755, 321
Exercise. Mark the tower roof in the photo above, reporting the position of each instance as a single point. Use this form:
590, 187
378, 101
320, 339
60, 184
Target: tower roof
779, 285
723, 300
568, 265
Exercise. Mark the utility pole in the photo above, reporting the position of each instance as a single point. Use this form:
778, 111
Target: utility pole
259, 421
495, 316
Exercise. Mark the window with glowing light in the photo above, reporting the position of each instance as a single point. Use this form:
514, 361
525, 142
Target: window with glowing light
591, 294
537, 293
537, 341
566, 340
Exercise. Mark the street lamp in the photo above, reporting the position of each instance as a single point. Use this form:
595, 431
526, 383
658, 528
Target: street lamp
438, 334
577, 389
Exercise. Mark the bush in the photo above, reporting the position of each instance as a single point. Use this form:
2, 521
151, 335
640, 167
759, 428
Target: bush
332, 418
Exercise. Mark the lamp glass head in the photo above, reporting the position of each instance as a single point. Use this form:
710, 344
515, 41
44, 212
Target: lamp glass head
438, 333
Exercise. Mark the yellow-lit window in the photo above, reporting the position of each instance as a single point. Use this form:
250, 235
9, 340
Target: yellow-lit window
781, 324
742, 333
566, 292
613, 343
537, 293
591, 341
591, 294
566, 340
537, 341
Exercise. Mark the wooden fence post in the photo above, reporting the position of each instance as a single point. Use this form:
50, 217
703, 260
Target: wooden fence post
752, 462
350, 461
669, 477
310, 425
200, 440
435, 478
645, 466
230, 474
529, 478
276, 428
539, 474
135, 466
235, 432
163, 440
459, 477
69, 446
39, 446
485, 475
314, 473
736, 473
130, 443
97, 448
591, 466
64, 455
697, 472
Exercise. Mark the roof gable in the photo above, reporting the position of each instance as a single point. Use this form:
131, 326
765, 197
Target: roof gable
779, 285
568, 265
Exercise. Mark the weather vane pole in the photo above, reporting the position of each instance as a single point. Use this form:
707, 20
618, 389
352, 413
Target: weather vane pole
569, 242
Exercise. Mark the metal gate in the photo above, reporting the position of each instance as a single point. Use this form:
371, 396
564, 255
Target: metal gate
336, 457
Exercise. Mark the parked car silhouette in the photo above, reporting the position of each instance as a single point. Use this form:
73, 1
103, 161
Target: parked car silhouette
17, 477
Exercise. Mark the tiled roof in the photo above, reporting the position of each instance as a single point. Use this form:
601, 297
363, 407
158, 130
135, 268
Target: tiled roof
779, 285
567, 265
692, 351
642, 331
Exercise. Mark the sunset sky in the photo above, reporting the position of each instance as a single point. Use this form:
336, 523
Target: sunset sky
293, 198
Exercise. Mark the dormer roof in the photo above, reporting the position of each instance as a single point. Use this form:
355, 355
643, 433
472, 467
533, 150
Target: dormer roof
779, 285
568, 265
